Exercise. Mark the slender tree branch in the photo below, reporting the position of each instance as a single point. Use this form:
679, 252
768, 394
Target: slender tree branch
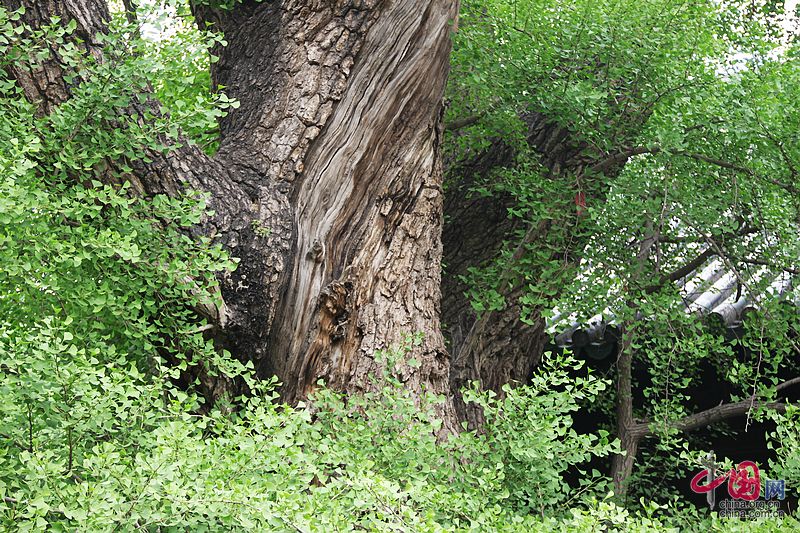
738, 168
779, 145
703, 125
666, 239
761, 262
13, 501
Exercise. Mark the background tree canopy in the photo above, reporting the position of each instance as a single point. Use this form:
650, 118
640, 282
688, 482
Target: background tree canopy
671, 151
221, 227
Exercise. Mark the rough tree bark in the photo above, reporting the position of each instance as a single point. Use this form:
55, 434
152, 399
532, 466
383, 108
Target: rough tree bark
327, 183
497, 347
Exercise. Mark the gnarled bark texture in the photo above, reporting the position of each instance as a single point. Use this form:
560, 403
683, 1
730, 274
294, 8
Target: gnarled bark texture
327, 183
497, 347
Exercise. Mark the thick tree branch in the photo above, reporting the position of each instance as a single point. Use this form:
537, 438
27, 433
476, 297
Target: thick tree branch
719, 413
714, 415
787, 384
497, 347
45, 84
620, 158
130, 11
464, 122
622, 464
681, 272
626, 154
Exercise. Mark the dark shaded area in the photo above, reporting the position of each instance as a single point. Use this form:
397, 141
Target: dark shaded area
737, 439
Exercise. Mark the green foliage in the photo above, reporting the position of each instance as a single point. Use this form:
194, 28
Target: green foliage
95, 446
222, 4
530, 436
368, 461
97, 327
101, 423
786, 441
98, 286
577, 62
177, 56
700, 93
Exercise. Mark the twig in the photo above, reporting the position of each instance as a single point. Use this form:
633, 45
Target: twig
14, 501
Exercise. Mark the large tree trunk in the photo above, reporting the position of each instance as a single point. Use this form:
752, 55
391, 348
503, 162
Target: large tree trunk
326, 186
498, 347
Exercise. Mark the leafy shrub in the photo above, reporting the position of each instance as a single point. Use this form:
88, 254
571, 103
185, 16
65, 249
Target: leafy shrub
786, 443
370, 461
